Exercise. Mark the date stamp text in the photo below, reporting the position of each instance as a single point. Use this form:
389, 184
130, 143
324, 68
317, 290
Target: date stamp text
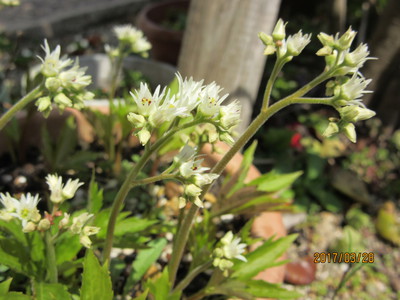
346, 257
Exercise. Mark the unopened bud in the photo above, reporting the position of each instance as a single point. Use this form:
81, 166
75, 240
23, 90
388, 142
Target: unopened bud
29, 227
346, 39
52, 84
44, 225
279, 32
350, 131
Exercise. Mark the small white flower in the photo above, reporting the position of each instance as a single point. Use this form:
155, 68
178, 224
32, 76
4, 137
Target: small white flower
185, 154
52, 64
230, 115
79, 222
210, 101
297, 42
75, 77
127, 33
191, 168
144, 136
147, 103
358, 57
232, 247
27, 209
192, 190
90, 230
64, 221
203, 179
188, 93
10, 203
55, 185
70, 188
354, 88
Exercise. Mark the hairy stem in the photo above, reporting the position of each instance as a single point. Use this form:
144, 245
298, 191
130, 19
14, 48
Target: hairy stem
52, 273
32, 95
127, 185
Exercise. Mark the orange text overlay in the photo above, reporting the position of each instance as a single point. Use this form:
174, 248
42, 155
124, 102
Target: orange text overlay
346, 257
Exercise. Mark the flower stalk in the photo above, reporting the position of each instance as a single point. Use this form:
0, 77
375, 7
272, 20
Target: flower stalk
24, 101
52, 272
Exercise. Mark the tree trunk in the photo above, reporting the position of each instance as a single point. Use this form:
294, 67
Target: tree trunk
221, 44
385, 45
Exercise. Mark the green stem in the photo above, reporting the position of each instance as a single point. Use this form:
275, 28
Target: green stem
154, 179
32, 95
183, 231
188, 279
275, 71
200, 294
52, 273
127, 185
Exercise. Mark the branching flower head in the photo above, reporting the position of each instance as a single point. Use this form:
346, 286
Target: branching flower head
52, 64
60, 192
133, 38
79, 227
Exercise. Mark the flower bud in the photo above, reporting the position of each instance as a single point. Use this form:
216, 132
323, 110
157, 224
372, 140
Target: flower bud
44, 105
90, 230
136, 120
64, 221
227, 138
350, 131
198, 202
266, 39
52, 84
346, 39
182, 202
192, 190
325, 39
279, 31
332, 129
29, 227
62, 101
324, 51
85, 241
44, 225
144, 136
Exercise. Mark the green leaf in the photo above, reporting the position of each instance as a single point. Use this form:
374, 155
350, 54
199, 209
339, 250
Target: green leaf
96, 281
144, 260
250, 289
160, 287
37, 249
51, 291
248, 157
15, 296
14, 227
273, 182
142, 296
14, 255
5, 286
263, 289
95, 196
262, 258
67, 247
132, 225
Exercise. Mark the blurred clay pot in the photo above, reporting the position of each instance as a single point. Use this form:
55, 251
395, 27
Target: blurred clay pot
166, 42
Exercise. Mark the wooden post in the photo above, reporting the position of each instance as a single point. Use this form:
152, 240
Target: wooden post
221, 44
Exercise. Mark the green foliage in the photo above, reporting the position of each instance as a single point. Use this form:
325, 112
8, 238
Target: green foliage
262, 258
51, 291
5, 286
160, 288
143, 261
96, 281
95, 196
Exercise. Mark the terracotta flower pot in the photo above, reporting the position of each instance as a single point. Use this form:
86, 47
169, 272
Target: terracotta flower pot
166, 42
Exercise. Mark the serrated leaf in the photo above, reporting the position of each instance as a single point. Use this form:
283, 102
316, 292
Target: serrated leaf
132, 225
95, 196
37, 249
273, 182
262, 258
5, 286
51, 291
142, 296
144, 260
96, 281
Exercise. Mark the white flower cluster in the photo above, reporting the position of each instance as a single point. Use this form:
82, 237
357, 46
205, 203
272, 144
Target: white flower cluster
190, 169
131, 40
65, 82
346, 91
285, 48
25, 209
231, 248
192, 99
